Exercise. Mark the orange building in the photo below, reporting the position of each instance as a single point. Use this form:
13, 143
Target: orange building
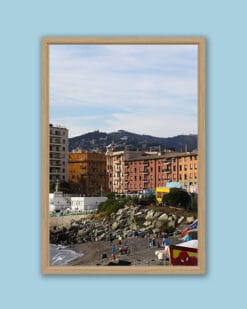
87, 172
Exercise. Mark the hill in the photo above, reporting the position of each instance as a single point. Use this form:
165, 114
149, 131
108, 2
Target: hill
125, 140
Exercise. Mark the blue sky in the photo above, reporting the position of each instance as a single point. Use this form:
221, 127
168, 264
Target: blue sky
146, 89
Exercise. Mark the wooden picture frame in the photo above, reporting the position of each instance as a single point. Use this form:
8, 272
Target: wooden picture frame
200, 268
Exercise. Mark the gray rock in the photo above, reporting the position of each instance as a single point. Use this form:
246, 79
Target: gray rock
163, 218
149, 215
171, 224
189, 220
115, 225
147, 223
180, 220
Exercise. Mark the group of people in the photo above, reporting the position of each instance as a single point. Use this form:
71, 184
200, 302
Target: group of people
123, 249
163, 254
153, 242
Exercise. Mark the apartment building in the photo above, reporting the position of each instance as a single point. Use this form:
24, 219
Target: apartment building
115, 171
146, 171
87, 172
185, 167
133, 171
58, 152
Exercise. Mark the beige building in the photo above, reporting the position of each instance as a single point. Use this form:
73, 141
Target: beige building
58, 153
115, 171
185, 170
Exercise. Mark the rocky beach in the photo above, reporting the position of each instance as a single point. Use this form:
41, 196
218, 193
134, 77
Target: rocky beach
129, 230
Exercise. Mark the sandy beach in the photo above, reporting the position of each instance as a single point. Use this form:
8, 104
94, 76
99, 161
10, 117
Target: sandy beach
139, 252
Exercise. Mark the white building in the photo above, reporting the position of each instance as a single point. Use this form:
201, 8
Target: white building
58, 202
86, 203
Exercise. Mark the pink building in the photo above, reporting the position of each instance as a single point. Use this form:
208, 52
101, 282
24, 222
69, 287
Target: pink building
134, 171
146, 171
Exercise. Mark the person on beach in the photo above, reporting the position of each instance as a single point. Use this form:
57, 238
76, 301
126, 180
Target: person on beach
153, 242
113, 251
111, 238
165, 242
160, 255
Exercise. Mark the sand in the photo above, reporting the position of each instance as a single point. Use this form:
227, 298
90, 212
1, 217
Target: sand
140, 254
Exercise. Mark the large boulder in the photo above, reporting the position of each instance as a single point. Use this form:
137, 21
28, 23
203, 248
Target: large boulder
115, 225
163, 218
171, 224
150, 215
147, 223
190, 220
180, 220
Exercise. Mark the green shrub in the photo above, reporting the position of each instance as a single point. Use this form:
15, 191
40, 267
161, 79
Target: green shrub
112, 204
177, 198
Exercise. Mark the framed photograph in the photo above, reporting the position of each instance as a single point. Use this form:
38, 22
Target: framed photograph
123, 155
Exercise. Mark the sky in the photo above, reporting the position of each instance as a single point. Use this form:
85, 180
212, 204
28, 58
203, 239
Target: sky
145, 89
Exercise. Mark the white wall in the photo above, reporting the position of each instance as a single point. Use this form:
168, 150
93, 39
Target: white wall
86, 203
58, 202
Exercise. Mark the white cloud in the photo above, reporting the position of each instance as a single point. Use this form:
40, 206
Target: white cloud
153, 124
129, 79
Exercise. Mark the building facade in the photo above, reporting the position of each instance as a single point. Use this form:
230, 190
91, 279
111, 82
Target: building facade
87, 172
185, 170
58, 153
115, 171
133, 171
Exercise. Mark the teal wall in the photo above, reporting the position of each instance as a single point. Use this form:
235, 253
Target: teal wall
22, 25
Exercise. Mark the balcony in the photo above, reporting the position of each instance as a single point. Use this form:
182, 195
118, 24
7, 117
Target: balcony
53, 164
145, 172
167, 161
